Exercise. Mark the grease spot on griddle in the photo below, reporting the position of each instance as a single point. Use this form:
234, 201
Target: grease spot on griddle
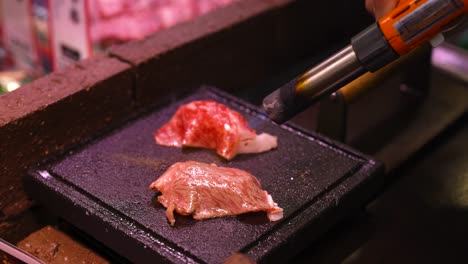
155, 203
258, 218
183, 221
192, 150
156, 164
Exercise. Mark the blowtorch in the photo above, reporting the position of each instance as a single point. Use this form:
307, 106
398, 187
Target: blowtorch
410, 24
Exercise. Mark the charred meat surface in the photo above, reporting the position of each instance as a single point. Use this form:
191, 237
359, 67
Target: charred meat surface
209, 191
208, 124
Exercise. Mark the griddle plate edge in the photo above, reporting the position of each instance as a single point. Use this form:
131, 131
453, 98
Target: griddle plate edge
102, 189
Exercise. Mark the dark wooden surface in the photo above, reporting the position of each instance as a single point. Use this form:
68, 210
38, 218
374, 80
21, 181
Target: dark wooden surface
421, 215
420, 218
44, 116
54, 246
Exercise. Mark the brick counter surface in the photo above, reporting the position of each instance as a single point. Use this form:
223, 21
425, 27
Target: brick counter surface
43, 117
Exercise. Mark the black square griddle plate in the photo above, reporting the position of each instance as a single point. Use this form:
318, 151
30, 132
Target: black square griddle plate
102, 188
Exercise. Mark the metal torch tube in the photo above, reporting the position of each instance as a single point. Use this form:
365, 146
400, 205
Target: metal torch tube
321, 80
330, 75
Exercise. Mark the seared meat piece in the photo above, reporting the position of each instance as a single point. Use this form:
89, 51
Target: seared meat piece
208, 124
208, 191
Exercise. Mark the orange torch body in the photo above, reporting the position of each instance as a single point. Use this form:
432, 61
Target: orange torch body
410, 24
